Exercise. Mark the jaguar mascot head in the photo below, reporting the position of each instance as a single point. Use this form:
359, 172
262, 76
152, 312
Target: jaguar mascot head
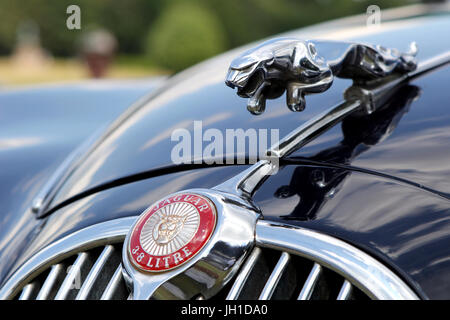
168, 228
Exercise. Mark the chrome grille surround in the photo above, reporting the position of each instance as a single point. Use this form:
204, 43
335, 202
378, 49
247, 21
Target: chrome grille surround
356, 270
76, 244
355, 266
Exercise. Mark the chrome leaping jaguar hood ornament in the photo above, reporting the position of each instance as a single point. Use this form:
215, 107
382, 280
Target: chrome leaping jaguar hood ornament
302, 67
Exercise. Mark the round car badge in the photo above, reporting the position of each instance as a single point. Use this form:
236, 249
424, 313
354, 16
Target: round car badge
171, 232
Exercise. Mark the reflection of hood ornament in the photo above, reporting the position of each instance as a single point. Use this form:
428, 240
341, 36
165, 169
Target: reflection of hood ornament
304, 67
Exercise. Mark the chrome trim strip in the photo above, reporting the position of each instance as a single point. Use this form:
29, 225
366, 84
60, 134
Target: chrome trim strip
311, 282
363, 271
113, 284
70, 280
346, 291
100, 234
95, 272
275, 277
243, 274
27, 291
430, 64
310, 129
246, 182
55, 272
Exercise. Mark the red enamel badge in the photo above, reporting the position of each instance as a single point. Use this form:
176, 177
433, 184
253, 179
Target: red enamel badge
171, 232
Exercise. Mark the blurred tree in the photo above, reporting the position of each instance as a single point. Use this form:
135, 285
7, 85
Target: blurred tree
250, 20
178, 32
129, 21
183, 35
49, 15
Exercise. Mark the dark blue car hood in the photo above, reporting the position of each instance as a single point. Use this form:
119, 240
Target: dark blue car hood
390, 199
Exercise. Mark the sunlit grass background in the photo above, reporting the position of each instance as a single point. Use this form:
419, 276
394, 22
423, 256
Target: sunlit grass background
71, 69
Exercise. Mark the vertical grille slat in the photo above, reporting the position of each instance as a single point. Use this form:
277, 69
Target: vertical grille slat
114, 286
243, 274
70, 282
311, 282
346, 291
94, 274
56, 273
274, 278
27, 291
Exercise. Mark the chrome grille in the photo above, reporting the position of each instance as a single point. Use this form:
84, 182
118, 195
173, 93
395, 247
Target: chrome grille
286, 263
90, 275
83, 265
270, 274
337, 269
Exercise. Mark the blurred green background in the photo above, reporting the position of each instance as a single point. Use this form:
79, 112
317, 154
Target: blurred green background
153, 36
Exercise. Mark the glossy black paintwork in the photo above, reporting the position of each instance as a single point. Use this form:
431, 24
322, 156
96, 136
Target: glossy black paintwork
143, 141
399, 224
348, 189
359, 134
381, 192
128, 200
